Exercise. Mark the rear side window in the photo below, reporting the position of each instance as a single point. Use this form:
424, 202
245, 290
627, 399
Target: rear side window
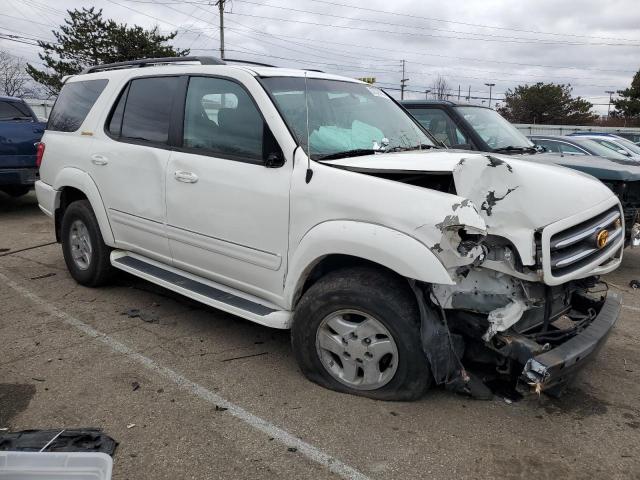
14, 111
73, 104
143, 110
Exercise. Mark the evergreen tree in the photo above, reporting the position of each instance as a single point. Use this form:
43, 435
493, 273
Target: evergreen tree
628, 105
87, 39
547, 103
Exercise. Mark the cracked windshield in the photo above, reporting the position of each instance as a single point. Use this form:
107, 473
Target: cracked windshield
345, 119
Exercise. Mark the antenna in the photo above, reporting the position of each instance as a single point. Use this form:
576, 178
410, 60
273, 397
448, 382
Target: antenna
306, 104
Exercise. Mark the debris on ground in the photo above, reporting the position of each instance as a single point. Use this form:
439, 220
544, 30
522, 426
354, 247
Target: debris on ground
135, 385
635, 284
67, 440
144, 316
292, 449
131, 425
221, 409
46, 275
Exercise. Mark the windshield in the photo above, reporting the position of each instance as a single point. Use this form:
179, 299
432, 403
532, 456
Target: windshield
344, 118
493, 128
598, 149
629, 145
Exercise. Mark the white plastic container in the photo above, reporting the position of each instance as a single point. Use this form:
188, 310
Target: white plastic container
55, 466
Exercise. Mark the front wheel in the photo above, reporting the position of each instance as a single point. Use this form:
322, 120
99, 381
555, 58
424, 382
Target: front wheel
85, 253
357, 331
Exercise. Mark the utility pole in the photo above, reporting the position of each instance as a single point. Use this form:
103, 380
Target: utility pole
469, 96
426, 94
490, 85
403, 81
610, 92
220, 4
458, 92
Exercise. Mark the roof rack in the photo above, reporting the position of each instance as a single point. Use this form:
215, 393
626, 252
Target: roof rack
249, 62
145, 62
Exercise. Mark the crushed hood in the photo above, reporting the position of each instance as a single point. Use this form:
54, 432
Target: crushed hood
514, 197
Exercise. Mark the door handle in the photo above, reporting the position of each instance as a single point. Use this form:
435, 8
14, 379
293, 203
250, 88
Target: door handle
99, 160
185, 177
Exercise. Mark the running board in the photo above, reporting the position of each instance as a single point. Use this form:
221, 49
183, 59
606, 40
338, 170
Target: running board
202, 290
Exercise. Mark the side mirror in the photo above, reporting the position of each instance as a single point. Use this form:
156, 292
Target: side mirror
274, 160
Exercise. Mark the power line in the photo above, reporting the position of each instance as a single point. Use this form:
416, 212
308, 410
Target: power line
413, 16
492, 37
342, 53
413, 34
387, 12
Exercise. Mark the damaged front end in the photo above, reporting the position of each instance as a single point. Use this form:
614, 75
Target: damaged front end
535, 336
531, 320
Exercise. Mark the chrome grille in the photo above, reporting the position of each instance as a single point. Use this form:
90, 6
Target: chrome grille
577, 246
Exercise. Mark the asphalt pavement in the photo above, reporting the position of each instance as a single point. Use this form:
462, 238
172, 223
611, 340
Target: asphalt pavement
190, 392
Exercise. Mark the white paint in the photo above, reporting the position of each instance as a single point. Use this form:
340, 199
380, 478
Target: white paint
312, 453
633, 309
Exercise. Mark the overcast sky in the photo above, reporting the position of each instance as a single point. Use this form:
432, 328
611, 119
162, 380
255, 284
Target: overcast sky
593, 45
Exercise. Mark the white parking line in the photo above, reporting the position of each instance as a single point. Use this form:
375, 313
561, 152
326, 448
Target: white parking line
312, 453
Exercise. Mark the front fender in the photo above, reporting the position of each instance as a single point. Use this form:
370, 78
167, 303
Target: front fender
393, 249
81, 180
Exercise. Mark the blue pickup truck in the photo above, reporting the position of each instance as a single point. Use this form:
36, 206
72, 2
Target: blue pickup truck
20, 131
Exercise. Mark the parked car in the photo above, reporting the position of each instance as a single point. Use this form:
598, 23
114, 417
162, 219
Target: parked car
20, 131
303, 200
567, 145
614, 142
473, 127
631, 136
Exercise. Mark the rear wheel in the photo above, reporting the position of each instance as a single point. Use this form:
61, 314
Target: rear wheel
357, 331
85, 253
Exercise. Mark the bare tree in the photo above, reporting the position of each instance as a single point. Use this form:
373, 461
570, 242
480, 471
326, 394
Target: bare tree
14, 80
440, 88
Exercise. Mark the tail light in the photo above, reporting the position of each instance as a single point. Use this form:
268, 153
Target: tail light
39, 153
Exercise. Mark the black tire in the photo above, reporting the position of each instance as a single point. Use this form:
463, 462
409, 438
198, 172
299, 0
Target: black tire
16, 191
99, 270
385, 297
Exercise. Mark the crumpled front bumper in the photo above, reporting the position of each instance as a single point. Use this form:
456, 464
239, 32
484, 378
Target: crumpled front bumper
560, 364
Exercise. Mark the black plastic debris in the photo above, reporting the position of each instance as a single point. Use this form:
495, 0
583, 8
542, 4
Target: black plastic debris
70, 440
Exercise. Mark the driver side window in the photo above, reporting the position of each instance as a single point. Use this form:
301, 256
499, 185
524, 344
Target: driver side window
221, 118
570, 149
440, 125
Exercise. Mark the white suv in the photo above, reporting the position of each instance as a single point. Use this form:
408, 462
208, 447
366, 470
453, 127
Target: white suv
302, 200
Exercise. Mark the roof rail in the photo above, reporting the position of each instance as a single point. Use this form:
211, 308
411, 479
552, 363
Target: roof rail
145, 62
249, 62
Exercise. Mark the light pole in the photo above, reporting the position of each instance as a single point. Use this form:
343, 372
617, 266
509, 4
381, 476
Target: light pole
610, 92
426, 94
490, 85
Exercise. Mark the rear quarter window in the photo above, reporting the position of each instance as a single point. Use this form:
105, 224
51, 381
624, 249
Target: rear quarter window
14, 111
73, 104
142, 112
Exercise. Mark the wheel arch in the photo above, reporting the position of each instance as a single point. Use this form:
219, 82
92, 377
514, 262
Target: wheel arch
342, 243
73, 184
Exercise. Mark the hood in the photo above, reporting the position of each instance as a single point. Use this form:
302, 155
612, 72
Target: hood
514, 197
600, 167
